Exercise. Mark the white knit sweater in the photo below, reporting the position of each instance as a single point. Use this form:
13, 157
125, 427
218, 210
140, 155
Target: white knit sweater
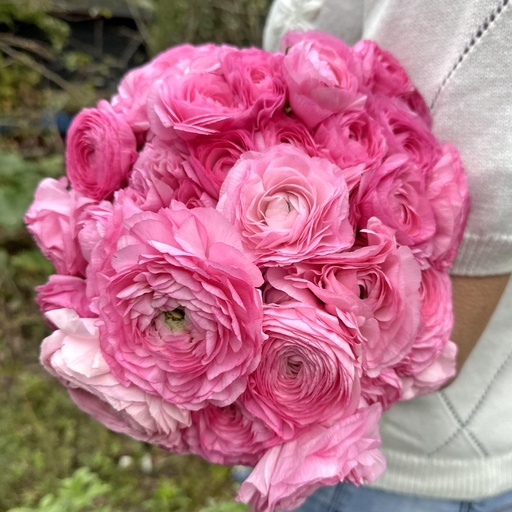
456, 443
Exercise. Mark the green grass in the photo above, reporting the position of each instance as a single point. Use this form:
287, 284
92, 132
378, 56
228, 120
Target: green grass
54, 458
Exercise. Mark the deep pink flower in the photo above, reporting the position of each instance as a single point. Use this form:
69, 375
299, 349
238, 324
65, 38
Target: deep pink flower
286, 205
163, 174
321, 78
52, 221
256, 75
72, 354
61, 291
131, 98
396, 193
309, 373
100, 151
213, 156
180, 313
354, 142
447, 191
383, 74
229, 435
373, 290
432, 341
288, 473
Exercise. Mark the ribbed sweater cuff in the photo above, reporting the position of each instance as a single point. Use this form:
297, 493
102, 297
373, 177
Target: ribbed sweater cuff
470, 479
483, 256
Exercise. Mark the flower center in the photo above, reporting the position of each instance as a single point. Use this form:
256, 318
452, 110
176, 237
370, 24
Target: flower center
175, 319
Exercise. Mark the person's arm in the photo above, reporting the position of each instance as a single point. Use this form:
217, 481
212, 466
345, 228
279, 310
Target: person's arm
474, 301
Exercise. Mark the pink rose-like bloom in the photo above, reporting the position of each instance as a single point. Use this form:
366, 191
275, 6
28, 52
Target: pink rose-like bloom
308, 375
434, 376
229, 435
92, 226
100, 150
52, 221
161, 175
383, 74
321, 78
212, 157
130, 100
196, 103
180, 313
256, 75
406, 132
428, 359
352, 140
64, 292
288, 473
373, 290
73, 355
286, 205
283, 129
447, 190
396, 194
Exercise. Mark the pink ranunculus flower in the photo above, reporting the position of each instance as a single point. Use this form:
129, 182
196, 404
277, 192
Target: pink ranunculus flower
100, 151
52, 221
257, 76
434, 335
447, 191
92, 226
72, 354
433, 377
213, 156
406, 132
163, 174
61, 291
199, 102
283, 129
354, 142
132, 94
286, 205
383, 75
396, 193
372, 289
385, 389
229, 435
288, 473
180, 312
321, 77
309, 373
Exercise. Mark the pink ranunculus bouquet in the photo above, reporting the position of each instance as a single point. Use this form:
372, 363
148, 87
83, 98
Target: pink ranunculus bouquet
251, 254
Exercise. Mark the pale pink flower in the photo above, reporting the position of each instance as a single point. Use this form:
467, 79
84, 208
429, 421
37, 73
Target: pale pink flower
100, 151
286, 205
72, 354
288, 473
52, 221
180, 313
308, 374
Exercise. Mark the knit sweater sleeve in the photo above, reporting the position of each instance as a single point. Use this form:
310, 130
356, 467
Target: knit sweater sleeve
458, 55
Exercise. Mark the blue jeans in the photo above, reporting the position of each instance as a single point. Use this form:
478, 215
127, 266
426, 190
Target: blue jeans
349, 498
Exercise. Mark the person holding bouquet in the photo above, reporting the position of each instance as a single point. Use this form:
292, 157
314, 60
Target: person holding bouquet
450, 450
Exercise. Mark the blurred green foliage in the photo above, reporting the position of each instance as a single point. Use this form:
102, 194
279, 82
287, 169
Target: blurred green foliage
237, 22
53, 457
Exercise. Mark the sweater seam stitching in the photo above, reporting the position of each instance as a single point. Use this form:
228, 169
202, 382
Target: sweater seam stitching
483, 28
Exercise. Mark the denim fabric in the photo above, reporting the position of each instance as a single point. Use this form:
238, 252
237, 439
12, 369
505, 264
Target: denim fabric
349, 498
